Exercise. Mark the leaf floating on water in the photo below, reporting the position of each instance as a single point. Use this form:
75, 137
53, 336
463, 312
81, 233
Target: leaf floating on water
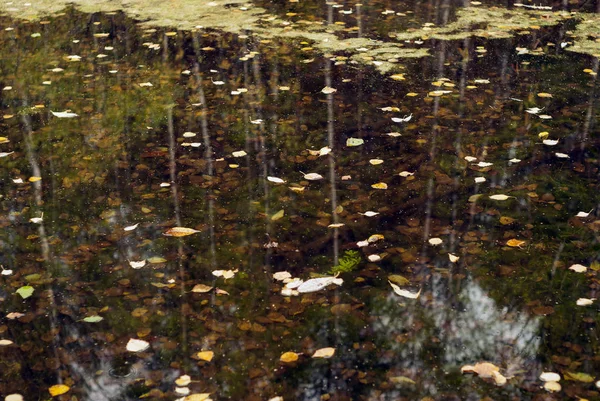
16, 397
14, 315
544, 95
64, 114
183, 380
198, 397
515, 243
226, 274
479, 180
135, 345
562, 155
201, 288
288, 357
324, 353
205, 355
369, 213
550, 377
435, 241
579, 376
484, 164
336, 225
404, 293
374, 258
500, 197
4, 342
278, 216
4, 154
375, 162
280, 276
438, 93
34, 179
485, 370
389, 108
397, 77
328, 89
354, 141
58, 389
93, 319
550, 142
405, 174
534, 110
379, 185
583, 214
137, 264
156, 260
131, 228
578, 268
404, 119
470, 159
180, 232
26, 291
552, 386
319, 283
312, 176
584, 302
453, 258
239, 153
514, 160
375, 238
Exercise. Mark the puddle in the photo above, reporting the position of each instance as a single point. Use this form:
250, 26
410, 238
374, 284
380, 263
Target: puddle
163, 185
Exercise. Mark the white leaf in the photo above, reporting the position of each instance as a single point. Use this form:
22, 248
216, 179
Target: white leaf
562, 155
324, 151
514, 160
479, 180
404, 119
453, 258
354, 141
550, 377
294, 283
369, 213
135, 345
500, 197
36, 220
239, 153
374, 258
360, 244
578, 268
584, 214
137, 264
131, 228
394, 134
404, 293
317, 284
312, 176
484, 164
584, 302
145, 84
257, 121
470, 159
280, 276
6, 272
405, 174
327, 90
550, 142
534, 110
224, 273
435, 241
276, 180
63, 114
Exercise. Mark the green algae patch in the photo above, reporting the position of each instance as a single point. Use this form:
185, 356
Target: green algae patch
586, 37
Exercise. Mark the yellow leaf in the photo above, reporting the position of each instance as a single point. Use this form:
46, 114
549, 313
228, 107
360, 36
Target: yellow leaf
515, 242
205, 355
324, 353
412, 94
504, 220
201, 288
180, 232
544, 94
288, 357
58, 389
398, 77
379, 185
197, 397
34, 179
278, 215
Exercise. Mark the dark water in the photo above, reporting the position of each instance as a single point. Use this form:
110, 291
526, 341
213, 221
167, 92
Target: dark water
509, 299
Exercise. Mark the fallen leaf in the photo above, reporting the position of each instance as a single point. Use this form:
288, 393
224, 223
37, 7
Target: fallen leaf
584, 302
324, 353
288, 357
16, 397
404, 293
550, 142
500, 197
375, 162
552, 386
156, 260
280, 276
435, 241
58, 389
93, 319
544, 94
26, 291
197, 397
312, 176
579, 376
453, 258
379, 185
131, 228
180, 232
239, 153
137, 264
328, 89
224, 273
4, 342
201, 288
515, 243
183, 380
278, 215
14, 315
578, 268
135, 345
549, 377
404, 119
276, 180
354, 141
205, 355
63, 114
317, 284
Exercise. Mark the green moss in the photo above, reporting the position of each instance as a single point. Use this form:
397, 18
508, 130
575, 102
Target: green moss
347, 263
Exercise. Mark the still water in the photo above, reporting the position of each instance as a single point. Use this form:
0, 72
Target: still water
435, 165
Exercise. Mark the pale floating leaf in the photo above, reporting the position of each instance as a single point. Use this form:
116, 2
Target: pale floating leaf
375, 162
239, 153
550, 142
36, 220
516, 243
317, 284
549, 377
26, 291
361, 244
294, 283
189, 134
389, 108
257, 121
404, 293
324, 353
278, 398
583, 214
180, 232
135, 345
404, 119
226, 274
470, 159
545, 117
543, 135
484, 164
131, 228
336, 225
137, 264
562, 155
145, 84
485, 370
500, 197
481, 81
201, 288
198, 397
453, 258
183, 380
4, 154
515, 160
324, 151
328, 89
93, 319
280, 276
544, 94
312, 176
369, 213
354, 141
4, 342
435, 241
374, 258
58, 389
6, 272
479, 180
14, 315
13, 397
438, 93
578, 268
534, 110
63, 114
181, 390
379, 185
394, 134
375, 238
205, 355
584, 302
405, 174
278, 216
552, 386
